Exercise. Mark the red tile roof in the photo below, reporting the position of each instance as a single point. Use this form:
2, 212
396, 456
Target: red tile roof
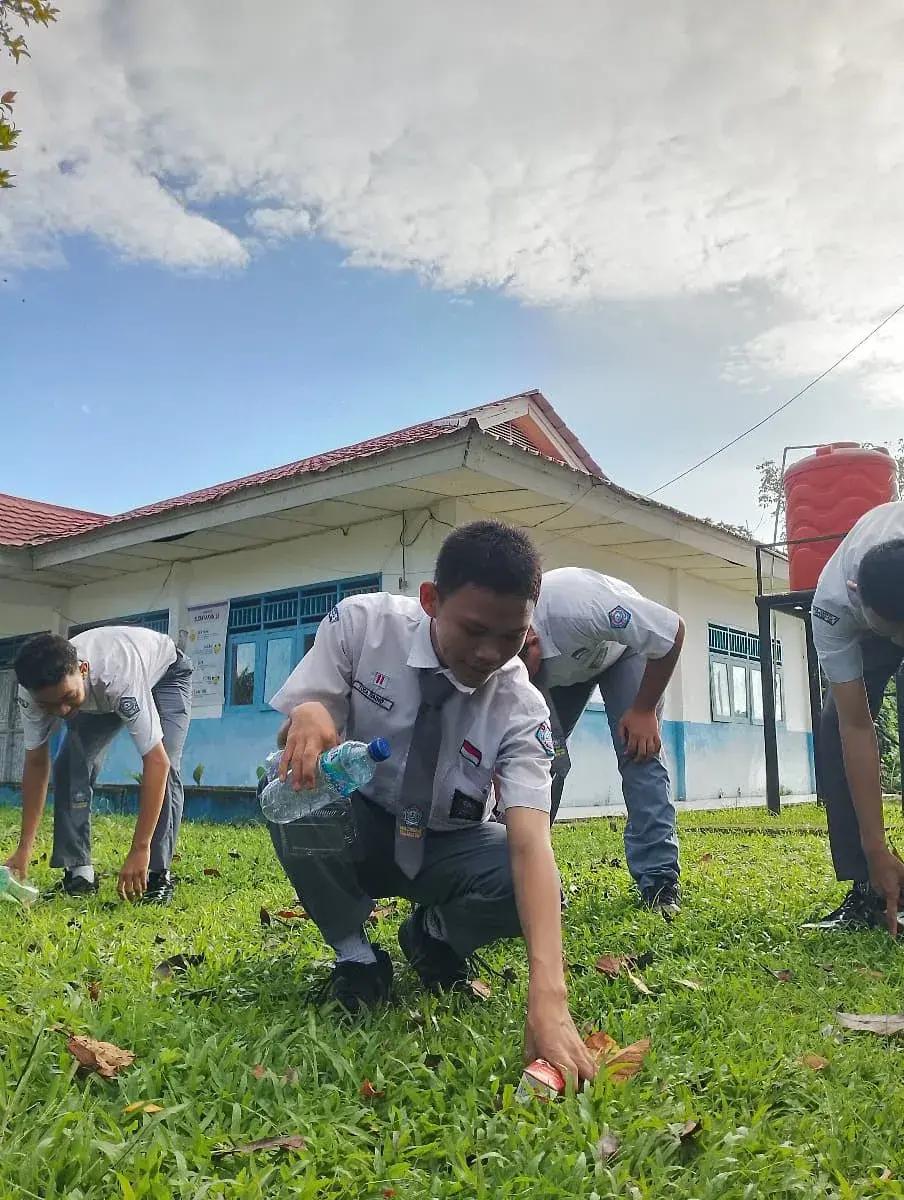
24, 522
31, 523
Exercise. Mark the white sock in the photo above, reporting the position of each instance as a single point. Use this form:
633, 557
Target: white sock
82, 872
434, 924
354, 948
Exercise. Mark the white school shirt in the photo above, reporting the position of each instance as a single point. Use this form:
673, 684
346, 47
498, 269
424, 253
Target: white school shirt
586, 621
364, 669
124, 664
839, 621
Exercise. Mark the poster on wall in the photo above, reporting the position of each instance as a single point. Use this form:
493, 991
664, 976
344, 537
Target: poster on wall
205, 645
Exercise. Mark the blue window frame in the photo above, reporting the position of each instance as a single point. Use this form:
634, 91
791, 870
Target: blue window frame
270, 634
735, 680
157, 620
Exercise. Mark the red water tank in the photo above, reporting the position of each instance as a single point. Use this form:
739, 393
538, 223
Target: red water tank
827, 493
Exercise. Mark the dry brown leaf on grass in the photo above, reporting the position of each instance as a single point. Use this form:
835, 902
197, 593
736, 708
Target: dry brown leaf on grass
259, 1072
290, 1076
103, 1057
265, 917
94, 992
610, 965
293, 914
143, 1107
638, 982
885, 1176
367, 1091
607, 1148
382, 911
784, 975
815, 1062
292, 1141
705, 858
885, 1025
179, 962
212, 872
620, 1064
479, 989
870, 974
688, 1130
691, 984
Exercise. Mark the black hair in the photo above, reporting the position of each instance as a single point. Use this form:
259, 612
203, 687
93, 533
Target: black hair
45, 660
880, 580
490, 555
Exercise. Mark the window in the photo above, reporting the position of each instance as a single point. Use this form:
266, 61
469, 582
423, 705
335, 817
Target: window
735, 681
158, 621
269, 635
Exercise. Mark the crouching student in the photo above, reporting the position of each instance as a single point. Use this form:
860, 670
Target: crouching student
440, 679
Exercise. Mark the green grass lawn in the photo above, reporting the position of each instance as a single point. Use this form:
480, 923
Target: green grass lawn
235, 1049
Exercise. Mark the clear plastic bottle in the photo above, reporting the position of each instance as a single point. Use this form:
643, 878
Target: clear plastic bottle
328, 826
14, 891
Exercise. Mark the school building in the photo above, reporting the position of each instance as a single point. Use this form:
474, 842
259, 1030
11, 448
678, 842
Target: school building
241, 573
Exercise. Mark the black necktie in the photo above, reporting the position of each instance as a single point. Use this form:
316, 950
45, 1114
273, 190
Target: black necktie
416, 796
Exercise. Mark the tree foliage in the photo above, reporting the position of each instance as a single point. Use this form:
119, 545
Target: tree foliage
14, 15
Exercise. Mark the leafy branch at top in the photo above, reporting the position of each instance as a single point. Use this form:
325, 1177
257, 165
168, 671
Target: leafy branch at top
13, 12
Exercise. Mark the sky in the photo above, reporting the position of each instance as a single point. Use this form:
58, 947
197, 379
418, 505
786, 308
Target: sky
238, 241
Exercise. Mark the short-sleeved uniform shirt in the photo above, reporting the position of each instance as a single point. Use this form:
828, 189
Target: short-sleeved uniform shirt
839, 620
124, 664
586, 621
364, 668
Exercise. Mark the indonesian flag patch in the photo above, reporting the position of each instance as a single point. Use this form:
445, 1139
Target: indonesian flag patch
471, 753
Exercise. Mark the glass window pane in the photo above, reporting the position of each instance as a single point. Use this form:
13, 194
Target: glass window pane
756, 693
779, 698
739, 691
279, 665
308, 642
720, 691
242, 673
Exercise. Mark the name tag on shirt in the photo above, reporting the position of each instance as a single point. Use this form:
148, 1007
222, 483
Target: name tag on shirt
373, 696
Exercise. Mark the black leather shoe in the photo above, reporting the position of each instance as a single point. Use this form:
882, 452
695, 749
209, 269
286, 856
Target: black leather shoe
160, 889
861, 908
358, 986
72, 885
437, 965
662, 896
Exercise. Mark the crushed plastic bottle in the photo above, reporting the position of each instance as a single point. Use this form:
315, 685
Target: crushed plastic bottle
328, 825
14, 891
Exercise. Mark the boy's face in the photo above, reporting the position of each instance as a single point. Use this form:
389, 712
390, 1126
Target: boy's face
476, 631
64, 698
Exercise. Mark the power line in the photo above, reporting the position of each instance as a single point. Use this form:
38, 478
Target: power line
781, 408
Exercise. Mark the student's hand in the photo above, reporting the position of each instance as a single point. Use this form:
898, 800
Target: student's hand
550, 1033
640, 732
18, 864
133, 878
886, 874
311, 731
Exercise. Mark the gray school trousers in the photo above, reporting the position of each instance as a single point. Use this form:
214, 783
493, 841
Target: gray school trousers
881, 660
651, 839
466, 876
81, 756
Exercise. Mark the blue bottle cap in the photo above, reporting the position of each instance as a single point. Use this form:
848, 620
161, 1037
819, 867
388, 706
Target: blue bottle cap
379, 749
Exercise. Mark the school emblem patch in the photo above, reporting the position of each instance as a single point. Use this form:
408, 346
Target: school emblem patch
333, 615
128, 707
619, 617
545, 738
411, 822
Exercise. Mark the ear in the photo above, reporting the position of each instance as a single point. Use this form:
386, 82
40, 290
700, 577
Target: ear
429, 598
83, 668
853, 587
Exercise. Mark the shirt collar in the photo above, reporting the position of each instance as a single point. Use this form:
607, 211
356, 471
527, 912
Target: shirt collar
548, 648
422, 656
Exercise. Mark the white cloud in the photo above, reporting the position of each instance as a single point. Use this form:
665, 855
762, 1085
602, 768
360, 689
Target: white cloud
566, 153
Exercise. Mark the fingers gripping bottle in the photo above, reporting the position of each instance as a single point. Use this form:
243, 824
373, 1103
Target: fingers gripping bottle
324, 813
